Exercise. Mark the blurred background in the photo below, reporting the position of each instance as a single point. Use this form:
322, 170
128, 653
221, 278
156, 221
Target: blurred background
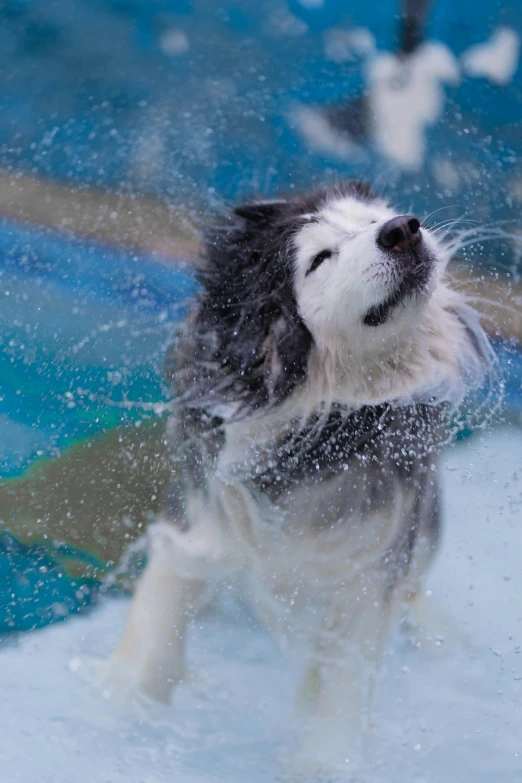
123, 124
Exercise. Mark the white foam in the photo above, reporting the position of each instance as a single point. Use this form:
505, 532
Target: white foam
495, 59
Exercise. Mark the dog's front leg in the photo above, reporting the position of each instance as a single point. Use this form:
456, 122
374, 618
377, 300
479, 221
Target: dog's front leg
150, 655
337, 689
151, 652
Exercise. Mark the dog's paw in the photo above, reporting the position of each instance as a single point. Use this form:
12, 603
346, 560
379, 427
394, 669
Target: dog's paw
328, 747
313, 764
122, 683
429, 628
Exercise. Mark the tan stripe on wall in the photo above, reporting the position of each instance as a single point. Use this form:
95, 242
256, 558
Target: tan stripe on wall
153, 225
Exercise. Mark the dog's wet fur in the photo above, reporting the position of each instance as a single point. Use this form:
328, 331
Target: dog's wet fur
313, 379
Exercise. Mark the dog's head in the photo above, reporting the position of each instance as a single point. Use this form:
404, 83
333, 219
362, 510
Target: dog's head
339, 295
359, 264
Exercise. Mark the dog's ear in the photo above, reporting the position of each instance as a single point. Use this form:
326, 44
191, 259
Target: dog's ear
260, 213
285, 342
286, 353
261, 345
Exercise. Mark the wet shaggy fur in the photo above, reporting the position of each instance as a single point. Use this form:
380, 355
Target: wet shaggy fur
248, 323
313, 380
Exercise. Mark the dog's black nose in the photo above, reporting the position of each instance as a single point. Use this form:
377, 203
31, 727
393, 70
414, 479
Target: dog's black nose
400, 234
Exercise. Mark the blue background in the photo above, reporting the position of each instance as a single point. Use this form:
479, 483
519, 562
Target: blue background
86, 84
89, 96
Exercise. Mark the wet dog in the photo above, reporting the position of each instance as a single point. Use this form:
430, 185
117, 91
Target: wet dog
312, 384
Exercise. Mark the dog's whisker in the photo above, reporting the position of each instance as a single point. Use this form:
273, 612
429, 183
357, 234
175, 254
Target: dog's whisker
424, 222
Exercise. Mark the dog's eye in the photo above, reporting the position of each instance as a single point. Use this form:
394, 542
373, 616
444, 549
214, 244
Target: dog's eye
318, 260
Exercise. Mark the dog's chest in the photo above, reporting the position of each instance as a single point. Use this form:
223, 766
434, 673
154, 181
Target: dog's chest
324, 488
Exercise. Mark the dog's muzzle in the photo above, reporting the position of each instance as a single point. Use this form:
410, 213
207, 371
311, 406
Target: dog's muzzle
401, 240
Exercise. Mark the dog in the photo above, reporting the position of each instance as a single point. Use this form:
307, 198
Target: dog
314, 382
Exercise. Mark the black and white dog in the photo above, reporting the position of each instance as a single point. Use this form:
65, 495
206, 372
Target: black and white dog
313, 380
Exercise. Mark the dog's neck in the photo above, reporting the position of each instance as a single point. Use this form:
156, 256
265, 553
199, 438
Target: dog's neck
409, 360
